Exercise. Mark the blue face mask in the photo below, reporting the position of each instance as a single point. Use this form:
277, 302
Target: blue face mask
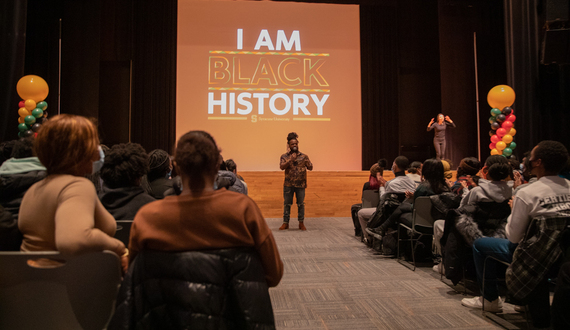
169, 174
98, 164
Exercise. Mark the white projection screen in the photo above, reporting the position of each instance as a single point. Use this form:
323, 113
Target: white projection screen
251, 72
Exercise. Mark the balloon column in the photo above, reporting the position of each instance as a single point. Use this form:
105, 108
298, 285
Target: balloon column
502, 119
33, 90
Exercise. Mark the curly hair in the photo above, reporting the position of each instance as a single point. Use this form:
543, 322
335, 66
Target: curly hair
197, 156
468, 166
158, 164
553, 154
124, 166
292, 136
23, 148
231, 165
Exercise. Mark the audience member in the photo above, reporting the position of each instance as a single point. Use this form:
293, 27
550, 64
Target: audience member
415, 172
158, 179
122, 194
397, 186
375, 170
232, 167
466, 171
17, 175
218, 223
62, 212
546, 201
525, 178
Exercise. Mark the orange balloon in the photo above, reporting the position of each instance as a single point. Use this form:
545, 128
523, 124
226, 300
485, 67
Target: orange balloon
23, 112
32, 87
501, 96
500, 145
508, 139
20, 120
30, 104
512, 132
495, 152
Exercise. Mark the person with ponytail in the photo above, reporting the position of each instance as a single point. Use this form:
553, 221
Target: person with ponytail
157, 181
201, 218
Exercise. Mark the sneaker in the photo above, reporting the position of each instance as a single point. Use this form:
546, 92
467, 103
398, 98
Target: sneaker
284, 226
302, 226
374, 233
495, 306
439, 268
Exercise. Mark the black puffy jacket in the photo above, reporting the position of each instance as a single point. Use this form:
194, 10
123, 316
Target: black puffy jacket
211, 289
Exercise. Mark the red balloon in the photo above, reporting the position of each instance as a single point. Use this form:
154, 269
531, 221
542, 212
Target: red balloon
501, 132
492, 145
511, 118
21, 104
495, 138
507, 125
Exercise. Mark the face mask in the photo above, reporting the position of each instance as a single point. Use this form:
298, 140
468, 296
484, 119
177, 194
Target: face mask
98, 164
521, 166
169, 174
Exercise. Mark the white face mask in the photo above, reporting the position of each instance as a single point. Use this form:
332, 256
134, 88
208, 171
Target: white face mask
98, 164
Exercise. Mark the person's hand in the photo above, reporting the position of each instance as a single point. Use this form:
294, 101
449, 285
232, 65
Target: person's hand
431, 122
511, 202
381, 180
125, 263
420, 173
409, 194
517, 179
449, 183
448, 119
293, 156
464, 184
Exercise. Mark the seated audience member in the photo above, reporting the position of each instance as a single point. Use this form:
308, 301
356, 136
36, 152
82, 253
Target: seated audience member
483, 212
122, 194
62, 212
95, 176
158, 179
6, 150
17, 175
232, 167
433, 184
217, 223
539, 214
393, 189
467, 169
415, 172
376, 170
447, 165
228, 180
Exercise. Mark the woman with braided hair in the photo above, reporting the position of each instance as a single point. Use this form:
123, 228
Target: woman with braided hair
157, 180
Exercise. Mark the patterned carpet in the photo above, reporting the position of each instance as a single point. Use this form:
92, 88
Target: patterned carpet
332, 281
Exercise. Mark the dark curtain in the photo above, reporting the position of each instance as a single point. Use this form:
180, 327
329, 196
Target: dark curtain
153, 110
13, 46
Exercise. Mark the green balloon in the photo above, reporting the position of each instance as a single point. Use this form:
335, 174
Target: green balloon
20, 134
512, 146
42, 105
22, 127
38, 113
495, 112
30, 120
507, 152
492, 120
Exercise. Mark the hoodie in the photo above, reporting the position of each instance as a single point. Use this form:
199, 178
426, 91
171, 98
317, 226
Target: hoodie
488, 191
123, 203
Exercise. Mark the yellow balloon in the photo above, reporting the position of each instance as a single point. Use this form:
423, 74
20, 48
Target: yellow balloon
507, 138
23, 112
512, 132
20, 120
495, 152
500, 146
501, 96
30, 104
32, 87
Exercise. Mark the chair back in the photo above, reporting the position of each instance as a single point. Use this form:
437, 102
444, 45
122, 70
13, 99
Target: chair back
422, 212
74, 293
123, 231
370, 198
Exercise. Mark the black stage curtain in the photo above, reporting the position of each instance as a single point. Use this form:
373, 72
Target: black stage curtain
13, 46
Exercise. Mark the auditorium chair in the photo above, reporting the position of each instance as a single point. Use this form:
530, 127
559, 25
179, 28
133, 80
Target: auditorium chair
422, 225
72, 293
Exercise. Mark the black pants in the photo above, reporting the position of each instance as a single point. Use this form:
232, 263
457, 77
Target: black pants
394, 218
439, 145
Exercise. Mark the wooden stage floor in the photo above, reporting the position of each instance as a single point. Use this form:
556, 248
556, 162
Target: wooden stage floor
328, 194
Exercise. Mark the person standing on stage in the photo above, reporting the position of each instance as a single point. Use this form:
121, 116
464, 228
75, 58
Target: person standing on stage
439, 138
295, 164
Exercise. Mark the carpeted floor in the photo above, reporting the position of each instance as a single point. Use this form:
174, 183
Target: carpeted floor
332, 281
